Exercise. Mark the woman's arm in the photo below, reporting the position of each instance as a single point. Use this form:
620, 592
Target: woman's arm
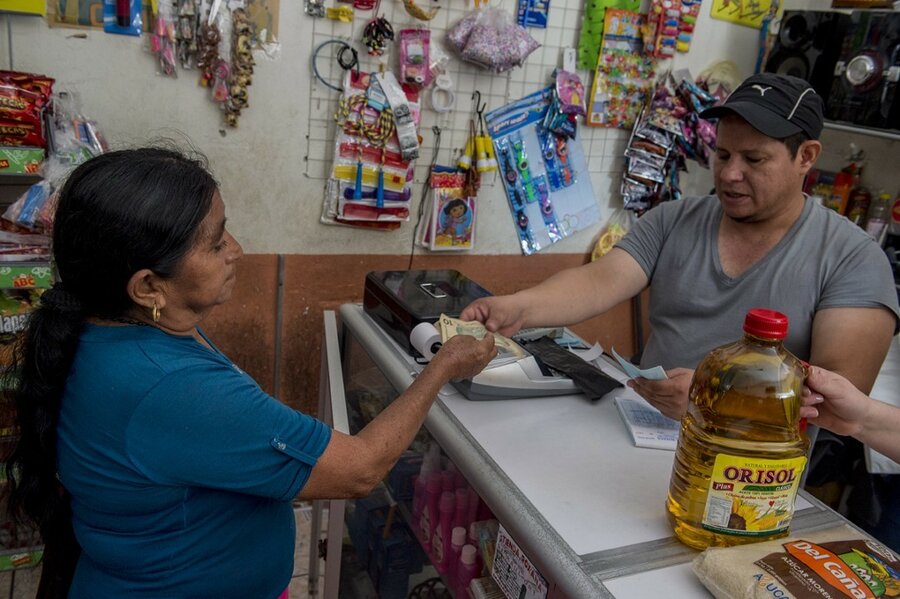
352, 465
832, 402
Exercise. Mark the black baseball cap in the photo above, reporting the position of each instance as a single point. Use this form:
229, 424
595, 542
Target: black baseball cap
775, 105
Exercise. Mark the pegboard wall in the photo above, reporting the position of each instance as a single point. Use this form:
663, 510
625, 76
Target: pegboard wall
603, 147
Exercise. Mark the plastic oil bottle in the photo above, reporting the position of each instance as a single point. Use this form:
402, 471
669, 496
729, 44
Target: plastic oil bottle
740, 452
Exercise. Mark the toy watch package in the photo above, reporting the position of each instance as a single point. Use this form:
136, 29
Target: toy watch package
543, 172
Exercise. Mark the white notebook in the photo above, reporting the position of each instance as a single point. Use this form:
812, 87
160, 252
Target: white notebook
647, 425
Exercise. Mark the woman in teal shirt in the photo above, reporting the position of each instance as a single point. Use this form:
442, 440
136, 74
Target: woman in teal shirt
172, 468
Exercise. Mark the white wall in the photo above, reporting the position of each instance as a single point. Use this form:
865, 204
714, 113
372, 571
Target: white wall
273, 197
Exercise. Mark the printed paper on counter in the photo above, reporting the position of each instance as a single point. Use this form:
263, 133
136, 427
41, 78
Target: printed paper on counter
647, 425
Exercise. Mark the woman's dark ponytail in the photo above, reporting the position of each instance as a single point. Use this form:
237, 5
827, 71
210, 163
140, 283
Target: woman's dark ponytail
41, 365
35, 499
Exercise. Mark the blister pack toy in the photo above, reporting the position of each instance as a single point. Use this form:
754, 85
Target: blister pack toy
570, 93
516, 194
624, 75
123, 17
372, 169
544, 209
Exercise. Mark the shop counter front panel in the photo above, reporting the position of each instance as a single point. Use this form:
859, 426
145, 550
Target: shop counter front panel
561, 473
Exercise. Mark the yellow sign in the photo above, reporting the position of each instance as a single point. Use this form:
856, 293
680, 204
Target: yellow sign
743, 12
28, 7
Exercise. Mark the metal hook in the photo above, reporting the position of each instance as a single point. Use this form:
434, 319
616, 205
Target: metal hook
479, 107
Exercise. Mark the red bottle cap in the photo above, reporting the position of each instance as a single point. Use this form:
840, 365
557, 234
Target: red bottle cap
767, 324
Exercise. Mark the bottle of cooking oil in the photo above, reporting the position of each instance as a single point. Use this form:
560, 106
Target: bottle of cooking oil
741, 451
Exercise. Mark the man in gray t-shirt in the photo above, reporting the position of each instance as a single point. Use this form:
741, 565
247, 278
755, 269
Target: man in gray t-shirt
820, 263
759, 242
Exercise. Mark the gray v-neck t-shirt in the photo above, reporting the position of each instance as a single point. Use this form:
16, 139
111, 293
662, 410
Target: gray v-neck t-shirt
824, 261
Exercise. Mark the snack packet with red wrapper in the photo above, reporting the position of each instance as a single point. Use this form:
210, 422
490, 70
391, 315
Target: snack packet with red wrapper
39, 84
21, 133
17, 104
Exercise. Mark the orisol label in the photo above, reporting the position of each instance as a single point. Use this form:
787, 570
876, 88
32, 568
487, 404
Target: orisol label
752, 497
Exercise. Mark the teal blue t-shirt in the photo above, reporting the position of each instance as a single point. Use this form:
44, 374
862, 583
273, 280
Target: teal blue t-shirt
181, 470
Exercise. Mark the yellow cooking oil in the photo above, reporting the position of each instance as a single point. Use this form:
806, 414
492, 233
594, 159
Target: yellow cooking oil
741, 451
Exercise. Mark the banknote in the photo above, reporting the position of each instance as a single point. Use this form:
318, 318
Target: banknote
507, 349
654, 374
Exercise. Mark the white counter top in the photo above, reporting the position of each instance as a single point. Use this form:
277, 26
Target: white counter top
563, 471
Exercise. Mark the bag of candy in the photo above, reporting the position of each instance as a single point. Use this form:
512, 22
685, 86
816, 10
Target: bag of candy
495, 41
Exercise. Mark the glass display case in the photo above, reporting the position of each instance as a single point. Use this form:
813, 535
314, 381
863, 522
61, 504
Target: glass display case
561, 475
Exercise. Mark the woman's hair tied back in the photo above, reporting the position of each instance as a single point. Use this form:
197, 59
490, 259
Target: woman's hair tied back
60, 299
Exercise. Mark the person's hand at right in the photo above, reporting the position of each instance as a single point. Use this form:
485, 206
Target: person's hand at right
464, 356
499, 314
832, 402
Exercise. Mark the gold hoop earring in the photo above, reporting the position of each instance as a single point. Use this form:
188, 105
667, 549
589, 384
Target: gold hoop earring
155, 312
